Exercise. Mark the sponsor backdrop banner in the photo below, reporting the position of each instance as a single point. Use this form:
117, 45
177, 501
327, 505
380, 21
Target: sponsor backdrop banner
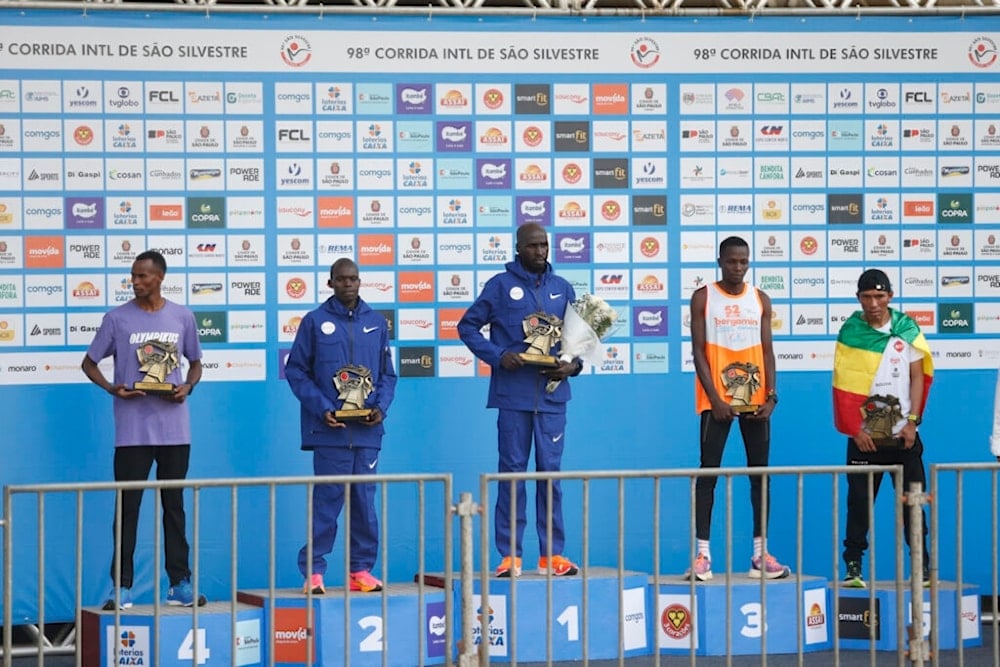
253, 153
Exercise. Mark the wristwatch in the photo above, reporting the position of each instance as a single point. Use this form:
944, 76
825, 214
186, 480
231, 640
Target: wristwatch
772, 396
914, 418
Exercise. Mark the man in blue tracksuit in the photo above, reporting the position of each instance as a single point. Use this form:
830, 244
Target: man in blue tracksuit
343, 332
526, 409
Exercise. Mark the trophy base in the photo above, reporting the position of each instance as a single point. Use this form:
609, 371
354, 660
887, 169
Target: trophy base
356, 415
745, 408
539, 359
155, 388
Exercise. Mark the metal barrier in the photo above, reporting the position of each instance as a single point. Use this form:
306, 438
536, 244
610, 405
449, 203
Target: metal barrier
961, 471
422, 484
639, 497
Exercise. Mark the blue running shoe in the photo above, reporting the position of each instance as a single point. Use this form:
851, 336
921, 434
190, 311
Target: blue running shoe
124, 597
182, 595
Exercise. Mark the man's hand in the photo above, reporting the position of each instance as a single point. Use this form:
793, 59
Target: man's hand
764, 411
564, 370
864, 441
722, 411
331, 421
375, 417
909, 434
511, 361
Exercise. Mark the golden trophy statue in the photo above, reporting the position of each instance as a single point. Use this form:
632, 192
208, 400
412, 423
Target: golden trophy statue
354, 384
879, 414
741, 380
541, 331
157, 360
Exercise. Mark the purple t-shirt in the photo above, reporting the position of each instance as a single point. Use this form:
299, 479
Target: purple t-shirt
148, 420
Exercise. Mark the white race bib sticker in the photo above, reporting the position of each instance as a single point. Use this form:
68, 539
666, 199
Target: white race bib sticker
516, 293
328, 327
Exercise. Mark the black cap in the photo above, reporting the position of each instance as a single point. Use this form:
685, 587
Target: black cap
874, 279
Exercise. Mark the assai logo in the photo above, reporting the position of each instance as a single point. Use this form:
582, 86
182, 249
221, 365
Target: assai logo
212, 326
955, 318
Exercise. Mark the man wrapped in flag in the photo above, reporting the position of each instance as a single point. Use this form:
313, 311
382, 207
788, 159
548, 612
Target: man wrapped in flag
882, 372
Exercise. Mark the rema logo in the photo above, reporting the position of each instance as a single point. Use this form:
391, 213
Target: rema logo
954, 207
206, 212
955, 318
212, 327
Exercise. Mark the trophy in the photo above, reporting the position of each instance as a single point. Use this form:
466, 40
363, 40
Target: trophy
741, 380
879, 414
354, 384
542, 331
157, 360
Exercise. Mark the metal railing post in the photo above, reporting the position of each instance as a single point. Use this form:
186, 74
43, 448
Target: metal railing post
466, 509
915, 501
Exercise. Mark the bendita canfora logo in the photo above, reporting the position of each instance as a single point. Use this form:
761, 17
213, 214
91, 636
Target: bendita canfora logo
296, 51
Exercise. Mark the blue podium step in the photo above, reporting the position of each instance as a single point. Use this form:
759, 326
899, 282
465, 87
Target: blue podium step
134, 641
870, 614
354, 628
528, 620
752, 619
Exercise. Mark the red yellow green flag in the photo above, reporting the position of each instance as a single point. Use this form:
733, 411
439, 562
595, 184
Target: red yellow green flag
857, 358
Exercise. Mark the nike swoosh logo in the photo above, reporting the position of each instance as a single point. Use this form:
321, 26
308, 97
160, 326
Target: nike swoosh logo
555, 296
557, 438
368, 329
373, 464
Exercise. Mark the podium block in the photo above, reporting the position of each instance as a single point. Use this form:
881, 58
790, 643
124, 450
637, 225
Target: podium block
133, 642
518, 618
354, 629
856, 618
778, 619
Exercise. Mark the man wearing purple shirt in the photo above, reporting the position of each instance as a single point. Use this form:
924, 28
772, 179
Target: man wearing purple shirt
147, 337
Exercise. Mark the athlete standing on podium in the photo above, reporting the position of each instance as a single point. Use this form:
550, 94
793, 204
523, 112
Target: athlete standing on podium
734, 362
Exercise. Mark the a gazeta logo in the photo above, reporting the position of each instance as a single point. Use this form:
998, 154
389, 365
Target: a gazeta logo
982, 52
644, 52
296, 51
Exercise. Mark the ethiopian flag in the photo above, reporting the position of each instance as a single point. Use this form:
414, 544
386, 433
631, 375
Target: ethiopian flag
858, 355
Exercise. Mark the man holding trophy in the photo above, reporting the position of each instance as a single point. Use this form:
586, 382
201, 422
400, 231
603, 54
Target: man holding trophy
147, 337
340, 368
524, 307
734, 362
882, 372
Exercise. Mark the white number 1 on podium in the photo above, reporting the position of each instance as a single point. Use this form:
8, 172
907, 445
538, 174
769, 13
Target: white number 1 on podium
570, 617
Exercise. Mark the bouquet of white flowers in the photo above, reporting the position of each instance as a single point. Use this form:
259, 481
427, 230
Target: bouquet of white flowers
587, 322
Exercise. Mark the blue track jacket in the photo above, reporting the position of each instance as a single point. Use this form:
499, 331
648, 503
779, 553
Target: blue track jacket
329, 338
508, 298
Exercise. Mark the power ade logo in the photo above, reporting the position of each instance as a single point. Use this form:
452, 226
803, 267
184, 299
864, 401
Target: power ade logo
206, 212
954, 207
955, 318
416, 362
212, 327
